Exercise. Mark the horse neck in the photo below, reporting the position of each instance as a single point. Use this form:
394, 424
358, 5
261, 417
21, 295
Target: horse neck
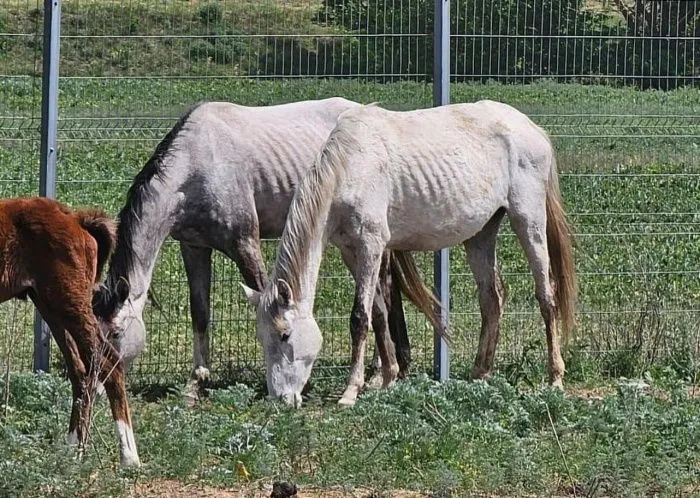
306, 231
309, 272
140, 243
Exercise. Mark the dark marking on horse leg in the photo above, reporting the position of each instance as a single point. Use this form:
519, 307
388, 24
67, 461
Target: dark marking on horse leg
397, 321
385, 345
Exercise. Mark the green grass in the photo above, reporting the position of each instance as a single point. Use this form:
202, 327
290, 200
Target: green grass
141, 38
449, 439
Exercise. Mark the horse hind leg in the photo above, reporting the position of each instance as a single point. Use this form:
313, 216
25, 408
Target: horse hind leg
481, 253
398, 327
75, 369
385, 353
112, 375
81, 411
530, 226
387, 310
102, 364
198, 270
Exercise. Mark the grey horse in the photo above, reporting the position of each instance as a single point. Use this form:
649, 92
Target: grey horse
222, 178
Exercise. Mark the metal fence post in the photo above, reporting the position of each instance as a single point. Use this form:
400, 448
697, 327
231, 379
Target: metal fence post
49, 124
441, 259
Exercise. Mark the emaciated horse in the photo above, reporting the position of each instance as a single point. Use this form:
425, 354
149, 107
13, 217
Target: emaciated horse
419, 180
221, 179
55, 256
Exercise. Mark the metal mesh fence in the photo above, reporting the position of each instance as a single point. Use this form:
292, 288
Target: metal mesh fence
20, 118
614, 82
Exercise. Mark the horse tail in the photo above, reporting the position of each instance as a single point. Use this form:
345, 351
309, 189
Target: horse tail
404, 271
104, 230
561, 259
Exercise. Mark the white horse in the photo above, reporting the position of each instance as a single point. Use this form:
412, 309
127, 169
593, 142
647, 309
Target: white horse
417, 181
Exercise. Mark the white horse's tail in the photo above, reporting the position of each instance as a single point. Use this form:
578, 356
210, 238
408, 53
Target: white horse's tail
404, 270
561, 259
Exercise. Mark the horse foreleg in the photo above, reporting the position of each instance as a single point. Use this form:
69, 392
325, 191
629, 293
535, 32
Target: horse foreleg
198, 269
248, 257
365, 268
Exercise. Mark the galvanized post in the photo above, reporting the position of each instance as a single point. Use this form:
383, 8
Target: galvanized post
441, 259
49, 125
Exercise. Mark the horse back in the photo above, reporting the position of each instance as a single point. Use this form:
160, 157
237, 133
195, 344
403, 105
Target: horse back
43, 244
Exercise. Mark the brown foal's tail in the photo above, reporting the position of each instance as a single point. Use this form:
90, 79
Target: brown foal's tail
404, 271
104, 230
561, 258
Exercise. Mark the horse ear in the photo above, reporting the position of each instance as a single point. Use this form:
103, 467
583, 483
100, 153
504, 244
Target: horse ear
252, 295
284, 294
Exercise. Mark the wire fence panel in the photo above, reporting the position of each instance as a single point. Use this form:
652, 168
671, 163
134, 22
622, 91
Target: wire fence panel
614, 82
20, 121
628, 161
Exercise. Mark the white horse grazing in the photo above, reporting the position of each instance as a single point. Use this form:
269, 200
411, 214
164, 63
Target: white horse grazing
418, 181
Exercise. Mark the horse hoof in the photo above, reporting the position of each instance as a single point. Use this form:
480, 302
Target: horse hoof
388, 384
191, 395
375, 382
129, 460
100, 390
201, 374
347, 402
557, 384
479, 374
72, 438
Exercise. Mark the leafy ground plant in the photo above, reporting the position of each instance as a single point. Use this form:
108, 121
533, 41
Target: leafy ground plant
447, 439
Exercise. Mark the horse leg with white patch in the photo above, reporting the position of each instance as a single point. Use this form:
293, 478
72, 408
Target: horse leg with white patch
198, 269
103, 364
112, 375
481, 253
530, 226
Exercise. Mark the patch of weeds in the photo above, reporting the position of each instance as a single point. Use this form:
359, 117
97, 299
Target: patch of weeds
210, 13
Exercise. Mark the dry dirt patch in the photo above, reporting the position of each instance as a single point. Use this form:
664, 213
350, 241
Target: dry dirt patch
175, 489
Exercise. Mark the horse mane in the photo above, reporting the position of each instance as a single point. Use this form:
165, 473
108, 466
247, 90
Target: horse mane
306, 218
105, 300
